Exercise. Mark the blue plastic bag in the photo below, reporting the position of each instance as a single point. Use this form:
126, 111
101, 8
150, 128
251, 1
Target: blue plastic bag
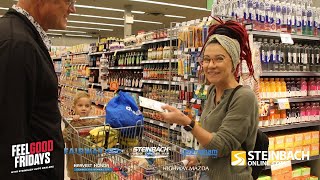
122, 111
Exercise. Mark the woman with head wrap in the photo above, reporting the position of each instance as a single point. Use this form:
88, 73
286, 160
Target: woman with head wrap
224, 129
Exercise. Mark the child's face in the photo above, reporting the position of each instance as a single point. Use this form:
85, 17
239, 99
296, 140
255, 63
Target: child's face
83, 107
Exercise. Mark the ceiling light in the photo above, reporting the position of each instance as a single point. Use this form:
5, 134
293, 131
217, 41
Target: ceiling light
2, 8
106, 9
174, 16
54, 34
78, 35
67, 31
99, 29
103, 24
171, 4
113, 18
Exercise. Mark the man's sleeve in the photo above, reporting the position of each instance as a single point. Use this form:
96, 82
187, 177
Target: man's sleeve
17, 79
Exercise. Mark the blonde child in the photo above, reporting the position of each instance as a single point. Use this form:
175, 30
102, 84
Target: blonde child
82, 108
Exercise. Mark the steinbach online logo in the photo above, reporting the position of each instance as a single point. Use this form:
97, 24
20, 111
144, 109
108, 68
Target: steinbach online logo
265, 158
150, 152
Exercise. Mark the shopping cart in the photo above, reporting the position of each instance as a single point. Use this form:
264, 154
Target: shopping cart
114, 147
103, 147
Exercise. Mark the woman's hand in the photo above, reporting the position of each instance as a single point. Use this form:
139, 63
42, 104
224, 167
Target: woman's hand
175, 116
192, 161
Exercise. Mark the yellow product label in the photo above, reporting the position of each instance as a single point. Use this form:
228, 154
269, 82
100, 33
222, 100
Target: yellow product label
271, 143
298, 140
289, 141
314, 149
315, 137
307, 138
279, 143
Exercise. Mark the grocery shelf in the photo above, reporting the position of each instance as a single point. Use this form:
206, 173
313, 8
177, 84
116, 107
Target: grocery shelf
162, 124
130, 89
98, 103
290, 74
291, 126
56, 58
159, 61
93, 67
126, 67
97, 53
158, 40
94, 84
299, 161
82, 76
78, 53
79, 64
277, 34
160, 82
302, 99
75, 87
127, 49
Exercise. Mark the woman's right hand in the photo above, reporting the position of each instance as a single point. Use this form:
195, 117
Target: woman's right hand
192, 161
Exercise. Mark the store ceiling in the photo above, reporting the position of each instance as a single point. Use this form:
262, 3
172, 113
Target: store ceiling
146, 12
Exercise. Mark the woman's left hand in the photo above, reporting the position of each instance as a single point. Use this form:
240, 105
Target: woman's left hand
175, 116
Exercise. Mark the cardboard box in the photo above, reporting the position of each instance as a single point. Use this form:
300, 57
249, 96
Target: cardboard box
279, 142
288, 175
298, 149
297, 172
289, 139
314, 149
315, 137
306, 150
271, 143
298, 140
305, 171
307, 138
313, 178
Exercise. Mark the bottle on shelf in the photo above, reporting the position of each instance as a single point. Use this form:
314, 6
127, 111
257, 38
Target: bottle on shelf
304, 87
273, 54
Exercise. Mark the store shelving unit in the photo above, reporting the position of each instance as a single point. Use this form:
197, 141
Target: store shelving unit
277, 34
159, 61
160, 82
126, 67
289, 74
312, 158
130, 89
290, 126
302, 99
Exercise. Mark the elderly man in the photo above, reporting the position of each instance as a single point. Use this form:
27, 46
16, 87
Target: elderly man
30, 131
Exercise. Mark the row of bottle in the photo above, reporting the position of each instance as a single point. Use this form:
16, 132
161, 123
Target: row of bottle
298, 112
126, 59
79, 59
161, 93
276, 56
126, 78
289, 87
159, 52
158, 71
292, 16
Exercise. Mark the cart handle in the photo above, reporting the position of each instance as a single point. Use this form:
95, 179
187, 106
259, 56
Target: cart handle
86, 118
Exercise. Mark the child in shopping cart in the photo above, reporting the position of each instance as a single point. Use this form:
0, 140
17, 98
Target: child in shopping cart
82, 108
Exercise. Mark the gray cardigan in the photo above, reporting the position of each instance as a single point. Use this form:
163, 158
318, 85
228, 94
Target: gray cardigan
229, 130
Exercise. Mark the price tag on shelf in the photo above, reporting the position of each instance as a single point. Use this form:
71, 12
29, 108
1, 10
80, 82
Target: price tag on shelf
184, 102
193, 49
157, 82
286, 38
174, 78
199, 49
179, 79
175, 52
151, 121
283, 103
191, 79
193, 100
179, 106
186, 50
161, 124
185, 76
198, 101
197, 21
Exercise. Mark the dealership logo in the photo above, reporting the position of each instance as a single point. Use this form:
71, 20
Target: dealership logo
150, 152
238, 158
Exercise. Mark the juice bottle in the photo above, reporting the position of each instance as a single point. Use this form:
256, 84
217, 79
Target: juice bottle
308, 111
267, 87
273, 88
278, 88
283, 88
283, 117
262, 89
304, 87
